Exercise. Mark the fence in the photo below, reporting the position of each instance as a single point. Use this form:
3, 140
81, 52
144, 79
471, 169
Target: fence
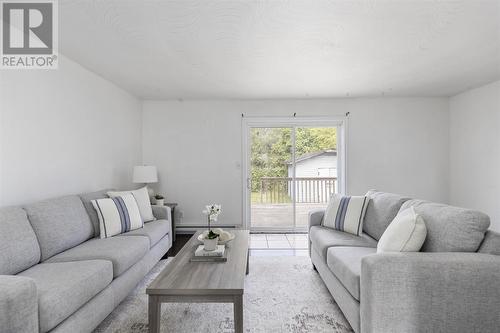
307, 190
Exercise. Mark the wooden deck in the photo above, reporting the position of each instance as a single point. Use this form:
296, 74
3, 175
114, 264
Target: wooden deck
281, 215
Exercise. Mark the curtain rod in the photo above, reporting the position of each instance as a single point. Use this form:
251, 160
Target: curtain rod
295, 114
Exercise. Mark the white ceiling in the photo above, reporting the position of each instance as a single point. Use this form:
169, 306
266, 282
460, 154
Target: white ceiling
285, 49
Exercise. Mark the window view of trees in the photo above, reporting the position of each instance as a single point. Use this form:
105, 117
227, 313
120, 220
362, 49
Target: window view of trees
272, 150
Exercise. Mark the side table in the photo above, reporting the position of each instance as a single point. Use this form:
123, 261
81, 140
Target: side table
172, 206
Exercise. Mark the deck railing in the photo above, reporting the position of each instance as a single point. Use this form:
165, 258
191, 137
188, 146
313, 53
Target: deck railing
307, 189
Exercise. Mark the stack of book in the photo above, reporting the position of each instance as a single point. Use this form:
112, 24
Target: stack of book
217, 255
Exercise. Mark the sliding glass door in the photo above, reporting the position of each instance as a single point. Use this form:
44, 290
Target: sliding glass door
315, 165
291, 168
271, 199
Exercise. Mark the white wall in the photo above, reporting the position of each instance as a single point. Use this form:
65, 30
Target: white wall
475, 150
64, 131
399, 145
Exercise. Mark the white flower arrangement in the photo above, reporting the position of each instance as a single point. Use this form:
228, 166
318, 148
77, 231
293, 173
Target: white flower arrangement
212, 211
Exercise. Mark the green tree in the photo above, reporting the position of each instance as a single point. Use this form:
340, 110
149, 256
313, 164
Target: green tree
272, 147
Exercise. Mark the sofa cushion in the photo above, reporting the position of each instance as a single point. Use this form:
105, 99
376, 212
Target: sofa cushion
59, 224
64, 287
491, 243
323, 238
450, 229
86, 199
122, 251
382, 209
19, 248
153, 230
345, 264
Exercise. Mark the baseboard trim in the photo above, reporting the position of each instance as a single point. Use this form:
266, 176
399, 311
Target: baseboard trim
191, 229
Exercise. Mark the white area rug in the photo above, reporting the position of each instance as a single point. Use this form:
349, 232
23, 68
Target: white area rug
282, 294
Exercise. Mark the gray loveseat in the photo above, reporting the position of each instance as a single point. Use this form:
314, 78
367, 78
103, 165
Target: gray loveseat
452, 285
56, 276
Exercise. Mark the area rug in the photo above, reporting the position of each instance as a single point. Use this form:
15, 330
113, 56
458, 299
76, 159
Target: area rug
282, 294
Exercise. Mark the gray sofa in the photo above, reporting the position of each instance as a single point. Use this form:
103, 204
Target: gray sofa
56, 276
452, 285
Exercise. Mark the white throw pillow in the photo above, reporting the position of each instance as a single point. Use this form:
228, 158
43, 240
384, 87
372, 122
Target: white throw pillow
117, 215
346, 213
142, 197
406, 233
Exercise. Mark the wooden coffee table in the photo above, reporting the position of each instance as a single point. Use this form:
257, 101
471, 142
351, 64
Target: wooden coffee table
183, 281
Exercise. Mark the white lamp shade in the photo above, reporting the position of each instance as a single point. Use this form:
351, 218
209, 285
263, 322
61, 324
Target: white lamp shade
145, 174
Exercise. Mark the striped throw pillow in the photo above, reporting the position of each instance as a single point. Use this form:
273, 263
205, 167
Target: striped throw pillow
117, 215
142, 198
346, 213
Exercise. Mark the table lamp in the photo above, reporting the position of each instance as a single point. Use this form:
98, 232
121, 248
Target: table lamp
145, 174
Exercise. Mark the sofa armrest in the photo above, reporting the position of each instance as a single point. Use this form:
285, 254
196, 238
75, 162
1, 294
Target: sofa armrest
316, 217
18, 304
430, 292
164, 213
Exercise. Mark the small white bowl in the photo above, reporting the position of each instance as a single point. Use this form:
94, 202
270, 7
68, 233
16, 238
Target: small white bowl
231, 237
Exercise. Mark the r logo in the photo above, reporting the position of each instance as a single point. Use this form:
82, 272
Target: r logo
27, 28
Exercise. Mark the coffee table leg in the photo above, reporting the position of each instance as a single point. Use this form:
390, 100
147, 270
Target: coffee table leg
238, 314
154, 314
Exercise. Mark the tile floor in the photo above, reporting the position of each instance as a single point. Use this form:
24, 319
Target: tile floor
279, 253
278, 241
261, 245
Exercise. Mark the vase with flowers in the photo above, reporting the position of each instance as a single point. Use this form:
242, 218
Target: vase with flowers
211, 238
